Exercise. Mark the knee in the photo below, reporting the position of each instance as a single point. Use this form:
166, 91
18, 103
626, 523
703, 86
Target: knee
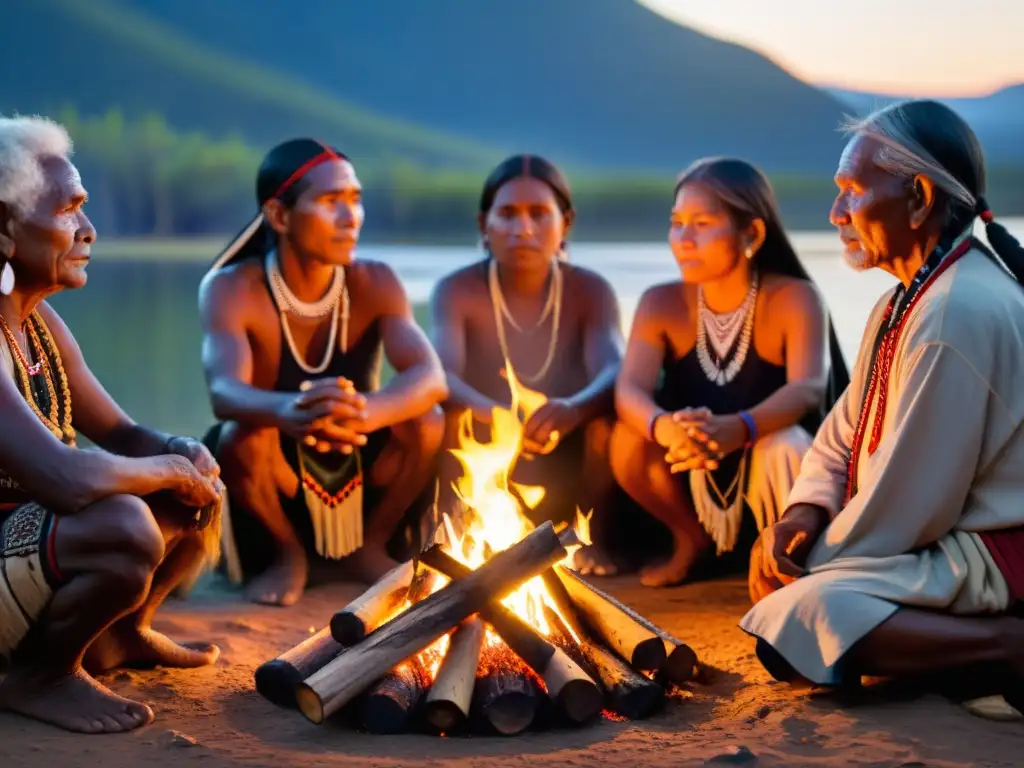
626, 453
789, 444
134, 543
241, 447
423, 435
597, 436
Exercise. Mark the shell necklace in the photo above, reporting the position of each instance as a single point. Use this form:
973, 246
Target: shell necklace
334, 302
723, 331
552, 307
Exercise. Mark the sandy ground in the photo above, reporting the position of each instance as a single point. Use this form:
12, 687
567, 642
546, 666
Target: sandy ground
214, 717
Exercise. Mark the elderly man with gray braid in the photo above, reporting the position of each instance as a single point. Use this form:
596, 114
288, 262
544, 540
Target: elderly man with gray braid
902, 548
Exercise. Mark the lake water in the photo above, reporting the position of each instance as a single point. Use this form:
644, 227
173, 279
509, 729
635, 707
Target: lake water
137, 324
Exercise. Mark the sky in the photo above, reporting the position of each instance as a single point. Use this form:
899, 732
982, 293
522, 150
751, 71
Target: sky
902, 47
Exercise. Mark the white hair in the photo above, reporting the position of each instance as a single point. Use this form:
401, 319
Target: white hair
24, 143
901, 154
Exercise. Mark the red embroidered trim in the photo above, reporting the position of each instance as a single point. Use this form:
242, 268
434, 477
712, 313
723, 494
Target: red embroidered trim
332, 499
879, 381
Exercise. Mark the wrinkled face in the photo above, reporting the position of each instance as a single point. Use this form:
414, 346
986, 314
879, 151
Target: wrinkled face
704, 238
872, 209
525, 227
325, 222
52, 241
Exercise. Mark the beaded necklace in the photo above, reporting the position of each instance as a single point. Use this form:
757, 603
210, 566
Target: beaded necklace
553, 306
897, 313
58, 418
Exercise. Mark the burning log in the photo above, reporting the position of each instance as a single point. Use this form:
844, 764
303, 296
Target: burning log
276, 679
338, 682
646, 646
448, 703
505, 697
576, 694
629, 693
364, 614
388, 707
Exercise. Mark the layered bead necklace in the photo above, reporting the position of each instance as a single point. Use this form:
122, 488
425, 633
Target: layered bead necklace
552, 308
333, 303
49, 366
722, 330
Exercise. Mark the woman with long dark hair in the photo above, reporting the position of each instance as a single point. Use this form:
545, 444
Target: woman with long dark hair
524, 306
728, 372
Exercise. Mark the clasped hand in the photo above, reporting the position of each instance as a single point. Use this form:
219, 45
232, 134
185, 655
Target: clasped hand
328, 415
698, 439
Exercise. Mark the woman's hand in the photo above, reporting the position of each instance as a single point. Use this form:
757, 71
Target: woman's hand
550, 423
720, 436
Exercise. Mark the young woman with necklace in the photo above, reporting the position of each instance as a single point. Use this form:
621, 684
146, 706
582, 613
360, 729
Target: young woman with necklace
554, 323
727, 374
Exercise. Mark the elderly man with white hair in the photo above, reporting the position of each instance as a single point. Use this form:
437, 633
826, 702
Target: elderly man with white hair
91, 541
902, 548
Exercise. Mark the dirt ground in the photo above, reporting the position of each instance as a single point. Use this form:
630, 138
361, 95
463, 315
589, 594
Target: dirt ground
214, 717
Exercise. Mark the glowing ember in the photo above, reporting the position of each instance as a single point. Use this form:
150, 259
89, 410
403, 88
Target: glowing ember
494, 518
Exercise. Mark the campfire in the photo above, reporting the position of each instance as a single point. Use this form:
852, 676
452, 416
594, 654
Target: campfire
489, 629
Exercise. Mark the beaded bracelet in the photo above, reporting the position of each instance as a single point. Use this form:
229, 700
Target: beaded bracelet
751, 425
653, 423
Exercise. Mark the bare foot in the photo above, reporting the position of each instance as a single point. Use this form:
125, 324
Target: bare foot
369, 563
282, 583
74, 702
592, 560
674, 570
124, 645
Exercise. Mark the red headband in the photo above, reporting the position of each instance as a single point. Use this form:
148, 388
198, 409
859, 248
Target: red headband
306, 167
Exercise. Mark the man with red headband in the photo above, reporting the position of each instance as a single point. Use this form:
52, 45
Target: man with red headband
320, 464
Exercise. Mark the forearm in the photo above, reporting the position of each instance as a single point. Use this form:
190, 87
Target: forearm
462, 396
407, 396
636, 408
597, 399
74, 479
135, 440
245, 404
785, 407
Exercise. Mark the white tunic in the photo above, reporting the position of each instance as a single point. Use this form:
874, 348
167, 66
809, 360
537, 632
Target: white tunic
950, 463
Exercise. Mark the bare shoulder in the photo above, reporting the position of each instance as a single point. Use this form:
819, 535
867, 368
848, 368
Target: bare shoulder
461, 286
584, 280
59, 330
237, 287
663, 298
792, 297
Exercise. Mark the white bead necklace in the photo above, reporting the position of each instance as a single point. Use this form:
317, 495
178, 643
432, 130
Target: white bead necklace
335, 302
553, 305
723, 331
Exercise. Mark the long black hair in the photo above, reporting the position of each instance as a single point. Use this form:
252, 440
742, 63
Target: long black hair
281, 176
747, 194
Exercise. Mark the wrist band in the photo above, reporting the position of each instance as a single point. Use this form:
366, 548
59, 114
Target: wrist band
653, 422
751, 425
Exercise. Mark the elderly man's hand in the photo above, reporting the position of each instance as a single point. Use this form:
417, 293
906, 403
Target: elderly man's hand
197, 453
781, 556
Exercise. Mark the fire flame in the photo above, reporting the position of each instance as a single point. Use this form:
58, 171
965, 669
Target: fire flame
493, 504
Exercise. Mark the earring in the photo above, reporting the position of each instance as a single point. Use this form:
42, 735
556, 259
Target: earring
749, 253
7, 279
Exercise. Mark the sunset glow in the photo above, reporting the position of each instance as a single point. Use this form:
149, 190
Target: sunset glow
911, 47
